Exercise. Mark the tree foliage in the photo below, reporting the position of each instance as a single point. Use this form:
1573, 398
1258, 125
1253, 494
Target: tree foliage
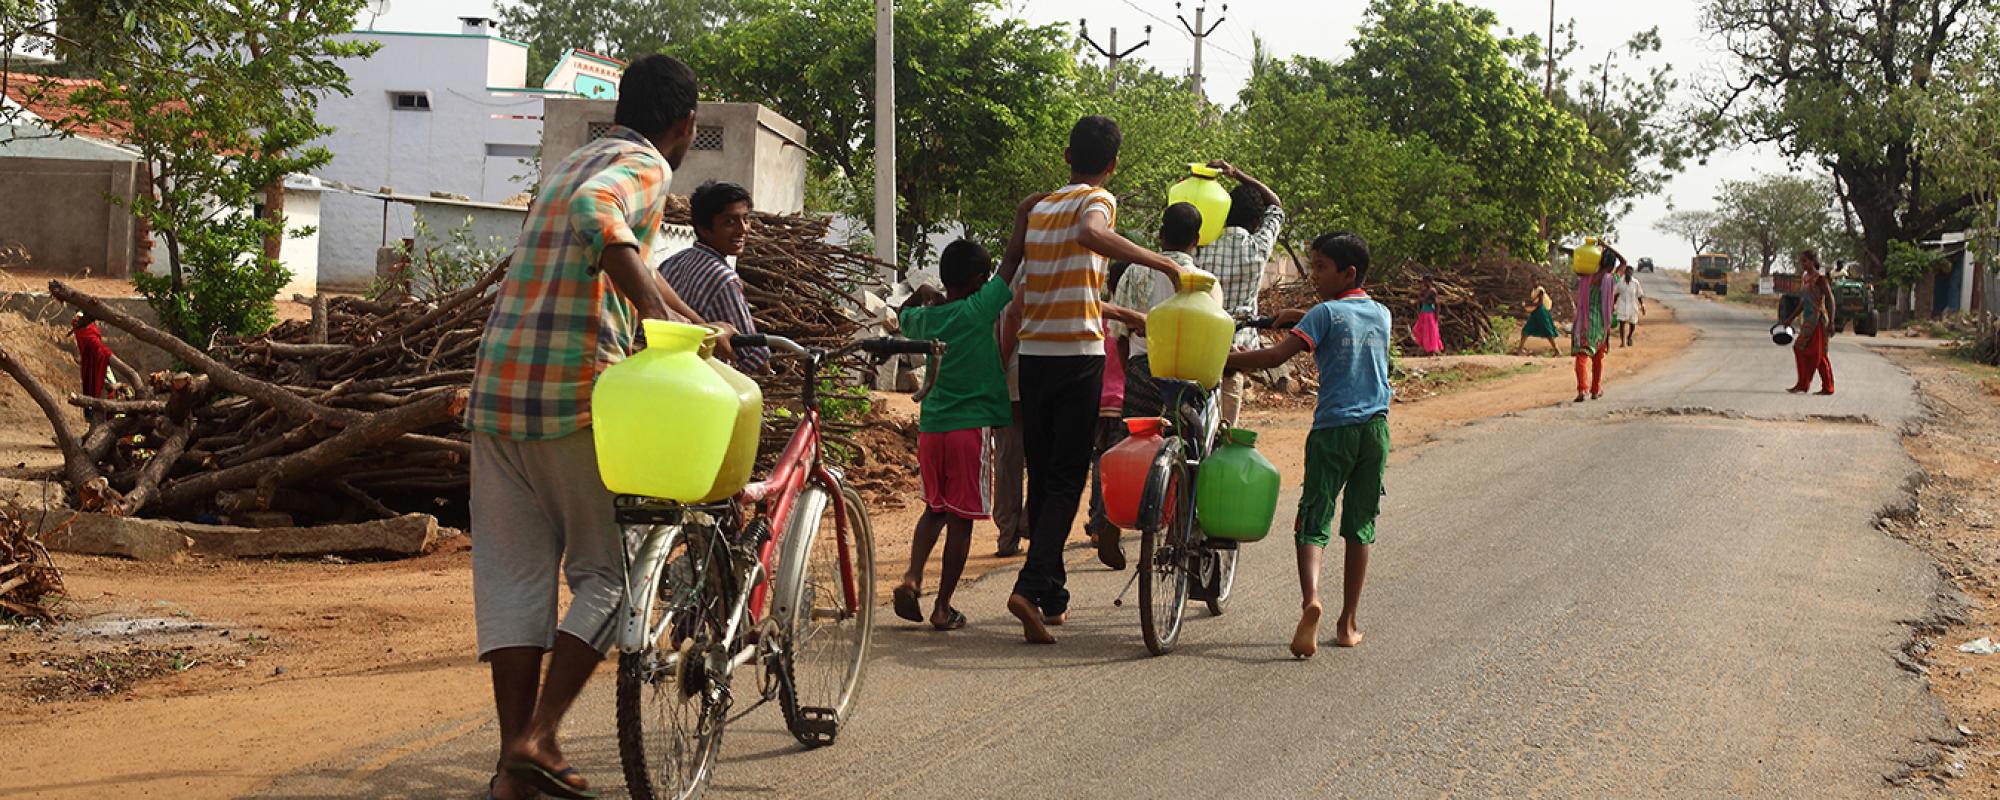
1434, 70
1958, 126
968, 83
1770, 215
1624, 104
1837, 82
219, 101
1697, 226
622, 29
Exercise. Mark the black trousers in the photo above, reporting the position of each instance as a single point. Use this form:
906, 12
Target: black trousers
1059, 396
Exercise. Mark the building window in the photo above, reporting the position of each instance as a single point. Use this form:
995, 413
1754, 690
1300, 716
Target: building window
510, 150
410, 101
708, 137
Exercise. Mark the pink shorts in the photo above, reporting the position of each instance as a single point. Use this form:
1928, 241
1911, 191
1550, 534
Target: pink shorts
957, 472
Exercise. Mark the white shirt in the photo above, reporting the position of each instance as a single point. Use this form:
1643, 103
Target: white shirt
1627, 296
1142, 288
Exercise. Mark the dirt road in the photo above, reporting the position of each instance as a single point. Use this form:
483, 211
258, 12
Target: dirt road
319, 679
1677, 592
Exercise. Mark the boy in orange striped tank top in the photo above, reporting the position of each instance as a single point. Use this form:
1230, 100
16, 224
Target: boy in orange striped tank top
1070, 237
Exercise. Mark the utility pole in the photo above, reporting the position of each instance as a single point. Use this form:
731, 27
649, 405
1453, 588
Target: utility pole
1549, 94
1111, 54
1199, 31
885, 132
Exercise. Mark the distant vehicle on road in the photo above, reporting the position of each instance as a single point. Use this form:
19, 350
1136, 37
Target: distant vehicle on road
1710, 272
1646, 264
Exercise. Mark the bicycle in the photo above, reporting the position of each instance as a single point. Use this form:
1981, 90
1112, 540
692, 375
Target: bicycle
1177, 562
698, 580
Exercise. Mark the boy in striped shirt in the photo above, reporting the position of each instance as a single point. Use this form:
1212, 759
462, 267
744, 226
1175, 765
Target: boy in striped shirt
1070, 237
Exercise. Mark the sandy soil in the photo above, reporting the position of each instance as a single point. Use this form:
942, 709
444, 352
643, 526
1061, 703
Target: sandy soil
1957, 521
209, 679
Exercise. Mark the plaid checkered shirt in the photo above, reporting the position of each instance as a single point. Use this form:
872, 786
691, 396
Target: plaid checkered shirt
1237, 258
558, 321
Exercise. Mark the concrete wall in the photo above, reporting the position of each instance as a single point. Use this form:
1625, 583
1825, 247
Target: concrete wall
59, 209
492, 228
443, 149
755, 147
300, 254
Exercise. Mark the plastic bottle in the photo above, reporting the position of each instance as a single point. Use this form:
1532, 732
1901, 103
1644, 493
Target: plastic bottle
663, 419
745, 433
1188, 336
1236, 491
1124, 468
1584, 260
1201, 189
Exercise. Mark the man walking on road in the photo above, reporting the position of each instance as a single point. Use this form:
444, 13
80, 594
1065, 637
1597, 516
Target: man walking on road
1631, 304
1237, 259
573, 294
1816, 306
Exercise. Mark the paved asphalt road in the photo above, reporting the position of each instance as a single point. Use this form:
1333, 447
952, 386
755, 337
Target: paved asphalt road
1675, 592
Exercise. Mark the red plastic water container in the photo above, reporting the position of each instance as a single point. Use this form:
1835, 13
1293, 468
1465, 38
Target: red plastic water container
1124, 469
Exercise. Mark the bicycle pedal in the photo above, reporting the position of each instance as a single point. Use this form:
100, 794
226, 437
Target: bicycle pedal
816, 726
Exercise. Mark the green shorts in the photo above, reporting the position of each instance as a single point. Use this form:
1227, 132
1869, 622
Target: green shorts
1344, 463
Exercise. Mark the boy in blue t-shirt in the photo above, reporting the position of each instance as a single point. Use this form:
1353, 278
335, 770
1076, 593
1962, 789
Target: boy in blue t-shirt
1348, 335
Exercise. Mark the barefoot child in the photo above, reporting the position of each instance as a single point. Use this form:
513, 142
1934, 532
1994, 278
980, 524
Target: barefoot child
1348, 335
966, 402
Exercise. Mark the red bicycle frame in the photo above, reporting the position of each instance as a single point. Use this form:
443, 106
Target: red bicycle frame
774, 497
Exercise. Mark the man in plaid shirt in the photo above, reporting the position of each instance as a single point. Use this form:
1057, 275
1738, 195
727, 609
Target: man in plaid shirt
1237, 259
567, 308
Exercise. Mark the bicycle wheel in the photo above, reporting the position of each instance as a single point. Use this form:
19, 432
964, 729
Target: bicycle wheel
826, 606
1225, 577
671, 710
1164, 524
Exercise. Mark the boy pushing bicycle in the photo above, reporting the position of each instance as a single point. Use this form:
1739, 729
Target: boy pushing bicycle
1348, 449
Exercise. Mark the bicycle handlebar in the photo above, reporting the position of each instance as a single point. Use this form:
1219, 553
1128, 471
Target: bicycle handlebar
893, 346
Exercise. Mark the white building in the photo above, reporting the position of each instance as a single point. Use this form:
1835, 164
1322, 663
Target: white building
429, 112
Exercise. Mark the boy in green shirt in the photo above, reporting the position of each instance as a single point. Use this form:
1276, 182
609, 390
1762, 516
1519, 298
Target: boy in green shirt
967, 399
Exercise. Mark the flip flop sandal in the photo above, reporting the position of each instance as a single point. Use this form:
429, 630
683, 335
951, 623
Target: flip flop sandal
550, 783
906, 604
953, 622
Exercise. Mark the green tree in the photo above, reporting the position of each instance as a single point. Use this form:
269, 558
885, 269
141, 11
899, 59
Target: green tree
1836, 82
1434, 70
1624, 105
1958, 126
623, 29
1770, 215
219, 101
969, 81
1327, 156
1698, 227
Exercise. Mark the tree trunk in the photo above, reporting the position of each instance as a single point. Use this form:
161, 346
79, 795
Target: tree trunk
274, 210
77, 467
268, 474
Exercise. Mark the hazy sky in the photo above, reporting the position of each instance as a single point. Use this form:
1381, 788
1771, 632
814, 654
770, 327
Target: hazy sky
1325, 29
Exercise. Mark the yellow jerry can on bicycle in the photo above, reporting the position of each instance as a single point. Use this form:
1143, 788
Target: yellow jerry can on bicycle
1188, 336
666, 420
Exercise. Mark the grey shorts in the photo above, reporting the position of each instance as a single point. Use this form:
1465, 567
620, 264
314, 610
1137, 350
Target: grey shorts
540, 515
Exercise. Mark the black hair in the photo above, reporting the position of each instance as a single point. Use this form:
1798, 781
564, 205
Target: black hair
1246, 207
1093, 145
655, 93
1114, 274
964, 265
1180, 227
711, 198
1346, 250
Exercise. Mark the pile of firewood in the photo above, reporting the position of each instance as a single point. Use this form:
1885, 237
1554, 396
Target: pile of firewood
357, 412
1469, 297
27, 573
